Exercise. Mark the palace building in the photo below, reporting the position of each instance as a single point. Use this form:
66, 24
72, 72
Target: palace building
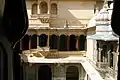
69, 40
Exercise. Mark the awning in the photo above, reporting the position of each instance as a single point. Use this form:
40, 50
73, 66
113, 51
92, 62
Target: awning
103, 36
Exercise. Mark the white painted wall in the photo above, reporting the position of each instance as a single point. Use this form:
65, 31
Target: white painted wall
75, 9
90, 48
29, 7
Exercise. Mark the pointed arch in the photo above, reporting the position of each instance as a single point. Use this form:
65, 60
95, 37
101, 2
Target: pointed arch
82, 42
104, 53
34, 8
53, 8
72, 43
53, 41
63, 43
43, 40
43, 7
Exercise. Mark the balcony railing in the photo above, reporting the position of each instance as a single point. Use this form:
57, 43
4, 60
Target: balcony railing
54, 22
44, 17
54, 53
102, 66
36, 23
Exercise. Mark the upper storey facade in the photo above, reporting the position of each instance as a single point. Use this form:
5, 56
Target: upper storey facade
61, 13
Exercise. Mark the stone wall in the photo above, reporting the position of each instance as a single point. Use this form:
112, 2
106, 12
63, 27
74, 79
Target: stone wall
58, 71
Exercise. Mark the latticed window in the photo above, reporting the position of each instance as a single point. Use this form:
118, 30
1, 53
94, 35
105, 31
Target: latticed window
34, 8
53, 8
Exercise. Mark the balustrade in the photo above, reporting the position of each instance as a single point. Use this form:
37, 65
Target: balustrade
51, 19
53, 53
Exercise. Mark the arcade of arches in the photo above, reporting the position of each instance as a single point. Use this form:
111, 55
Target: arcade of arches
44, 8
54, 72
61, 43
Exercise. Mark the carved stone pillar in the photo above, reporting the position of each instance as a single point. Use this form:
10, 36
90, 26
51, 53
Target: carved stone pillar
37, 40
49, 5
38, 7
30, 42
114, 63
99, 52
108, 53
77, 43
48, 40
68, 39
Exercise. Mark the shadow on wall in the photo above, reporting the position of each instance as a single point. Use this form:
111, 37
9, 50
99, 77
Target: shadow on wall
75, 13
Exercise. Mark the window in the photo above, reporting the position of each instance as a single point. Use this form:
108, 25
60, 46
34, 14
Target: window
53, 8
34, 8
43, 7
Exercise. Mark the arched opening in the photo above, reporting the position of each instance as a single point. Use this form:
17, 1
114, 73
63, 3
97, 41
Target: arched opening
44, 73
53, 41
53, 8
104, 53
25, 42
72, 43
72, 73
43, 40
34, 41
63, 43
43, 7
34, 8
82, 41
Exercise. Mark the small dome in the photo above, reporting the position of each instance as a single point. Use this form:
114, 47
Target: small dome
103, 15
111, 6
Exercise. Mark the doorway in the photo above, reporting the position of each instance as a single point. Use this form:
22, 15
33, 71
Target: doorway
44, 73
72, 73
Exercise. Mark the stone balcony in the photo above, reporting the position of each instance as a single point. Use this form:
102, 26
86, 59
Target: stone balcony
44, 18
36, 23
53, 53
